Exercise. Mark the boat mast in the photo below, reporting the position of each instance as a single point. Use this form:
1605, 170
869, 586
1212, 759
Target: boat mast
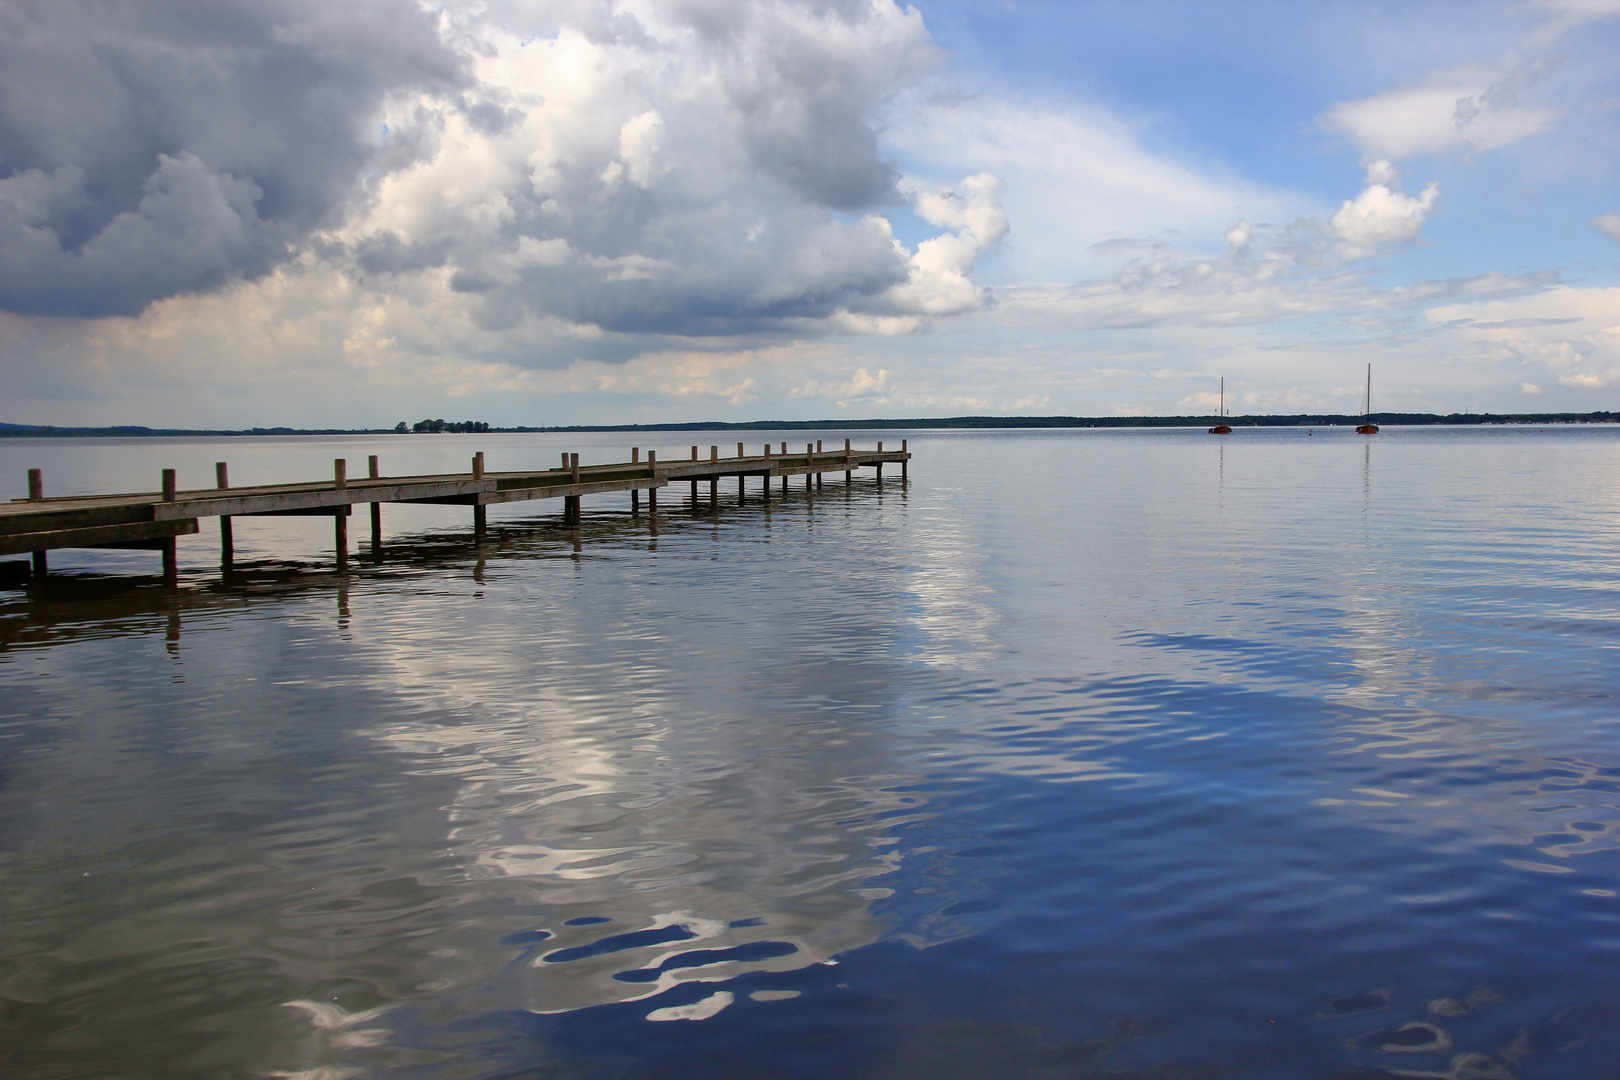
1366, 415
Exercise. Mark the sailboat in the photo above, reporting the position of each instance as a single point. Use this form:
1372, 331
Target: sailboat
1367, 426
1221, 428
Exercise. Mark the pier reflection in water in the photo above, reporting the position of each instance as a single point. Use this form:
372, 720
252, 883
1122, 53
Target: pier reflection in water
1251, 759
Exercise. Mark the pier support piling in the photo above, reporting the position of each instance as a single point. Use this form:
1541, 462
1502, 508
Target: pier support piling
571, 511
36, 493
340, 519
171, 554
376, 510
227, 534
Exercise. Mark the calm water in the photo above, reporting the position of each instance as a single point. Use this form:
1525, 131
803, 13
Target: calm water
1087, 753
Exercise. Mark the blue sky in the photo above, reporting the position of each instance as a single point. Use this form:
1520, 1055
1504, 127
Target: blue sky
623, 210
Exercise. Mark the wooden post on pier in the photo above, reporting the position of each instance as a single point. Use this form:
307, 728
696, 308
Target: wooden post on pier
340, 518
848, 475
767, 457
714, 479
480, 515
880, 464
571, 510
902, 463
635, 493
171, 556
227, 537
652, 492
818, 472
36, 492
376, 510
810, 462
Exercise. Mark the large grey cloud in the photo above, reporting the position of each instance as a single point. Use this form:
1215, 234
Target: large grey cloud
696, 168
151, 149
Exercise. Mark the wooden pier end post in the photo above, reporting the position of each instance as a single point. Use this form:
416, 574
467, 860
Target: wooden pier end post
480, 513
809, 463
880, 464
635, 493
571, 510
376, 510
903, 461
848, 474
36, 492
652, 492
340, 518
171, 555
227, 536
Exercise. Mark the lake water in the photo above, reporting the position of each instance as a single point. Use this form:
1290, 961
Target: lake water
1085, 753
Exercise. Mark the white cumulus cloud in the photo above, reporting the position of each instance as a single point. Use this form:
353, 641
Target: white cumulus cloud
1382, 215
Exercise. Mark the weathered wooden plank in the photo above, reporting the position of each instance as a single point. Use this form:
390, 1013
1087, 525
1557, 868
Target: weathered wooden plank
45, 520
554, 491
242, 501
314, 511
95, 536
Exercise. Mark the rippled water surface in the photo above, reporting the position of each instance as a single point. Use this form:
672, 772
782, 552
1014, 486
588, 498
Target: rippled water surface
1082, 753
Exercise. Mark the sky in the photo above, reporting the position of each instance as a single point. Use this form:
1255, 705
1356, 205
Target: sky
237, 213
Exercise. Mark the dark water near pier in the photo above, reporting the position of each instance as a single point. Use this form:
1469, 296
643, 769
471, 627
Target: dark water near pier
1086, 753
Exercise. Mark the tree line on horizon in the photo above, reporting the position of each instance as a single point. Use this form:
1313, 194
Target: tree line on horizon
480, 427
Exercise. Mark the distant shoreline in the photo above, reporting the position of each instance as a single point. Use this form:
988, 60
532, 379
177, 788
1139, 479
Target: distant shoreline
27, 431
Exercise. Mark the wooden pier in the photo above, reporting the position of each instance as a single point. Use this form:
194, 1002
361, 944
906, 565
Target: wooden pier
153, 520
